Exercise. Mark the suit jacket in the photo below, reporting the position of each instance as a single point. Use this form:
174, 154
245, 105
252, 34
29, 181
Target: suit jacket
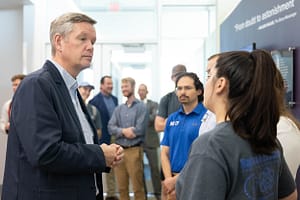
151, 137
47, 156
98, 101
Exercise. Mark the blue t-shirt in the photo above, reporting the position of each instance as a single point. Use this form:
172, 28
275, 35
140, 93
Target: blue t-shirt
180, 132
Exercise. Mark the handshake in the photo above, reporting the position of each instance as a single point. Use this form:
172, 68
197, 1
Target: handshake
113, 153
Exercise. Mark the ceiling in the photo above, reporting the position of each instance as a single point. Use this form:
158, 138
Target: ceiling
11, 4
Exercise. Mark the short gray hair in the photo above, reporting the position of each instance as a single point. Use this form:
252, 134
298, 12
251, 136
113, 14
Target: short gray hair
63, 25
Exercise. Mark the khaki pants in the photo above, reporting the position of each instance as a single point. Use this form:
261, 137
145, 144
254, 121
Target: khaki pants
131, 168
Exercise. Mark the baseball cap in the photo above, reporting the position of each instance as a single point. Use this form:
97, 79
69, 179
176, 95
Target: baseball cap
85, 84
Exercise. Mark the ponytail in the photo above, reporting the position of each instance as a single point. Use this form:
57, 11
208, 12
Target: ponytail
253, 100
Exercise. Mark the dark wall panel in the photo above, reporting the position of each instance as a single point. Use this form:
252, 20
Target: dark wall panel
271, 24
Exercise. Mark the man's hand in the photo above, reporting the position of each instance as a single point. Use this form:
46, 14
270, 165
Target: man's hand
169, 184
113, 154
120, 155
128, 132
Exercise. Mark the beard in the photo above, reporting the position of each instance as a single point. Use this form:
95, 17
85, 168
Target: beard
128, 94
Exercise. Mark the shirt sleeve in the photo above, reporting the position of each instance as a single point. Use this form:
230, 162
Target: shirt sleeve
113, 124
163, 107
139, 129
286, 184
165, 139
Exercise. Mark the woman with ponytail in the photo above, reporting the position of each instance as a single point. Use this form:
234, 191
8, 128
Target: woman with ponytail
241, 157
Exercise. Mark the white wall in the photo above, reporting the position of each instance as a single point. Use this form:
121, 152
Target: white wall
11, 62
224, 8
45, 12
10, 50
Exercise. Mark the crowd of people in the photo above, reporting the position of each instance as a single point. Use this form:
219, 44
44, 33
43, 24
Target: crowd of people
232, 138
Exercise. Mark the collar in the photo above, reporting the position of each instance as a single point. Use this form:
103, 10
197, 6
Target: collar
144, 101
198, 109
70, 82
105, 96
135, 101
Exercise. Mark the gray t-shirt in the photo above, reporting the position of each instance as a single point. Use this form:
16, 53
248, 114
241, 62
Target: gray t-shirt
168, 104
221, 165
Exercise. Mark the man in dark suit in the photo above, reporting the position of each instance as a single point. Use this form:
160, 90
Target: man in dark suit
106, 103
52, 150
151, 141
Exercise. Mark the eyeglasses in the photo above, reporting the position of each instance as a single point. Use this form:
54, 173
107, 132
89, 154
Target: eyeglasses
186, 88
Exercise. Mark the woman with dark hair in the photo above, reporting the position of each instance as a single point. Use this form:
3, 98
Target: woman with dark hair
241, 157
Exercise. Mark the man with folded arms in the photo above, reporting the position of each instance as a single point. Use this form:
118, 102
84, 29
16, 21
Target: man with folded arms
127, 124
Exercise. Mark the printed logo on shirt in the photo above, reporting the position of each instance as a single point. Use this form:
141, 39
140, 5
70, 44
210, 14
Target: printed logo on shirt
260, 176
174, 123
195, 124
